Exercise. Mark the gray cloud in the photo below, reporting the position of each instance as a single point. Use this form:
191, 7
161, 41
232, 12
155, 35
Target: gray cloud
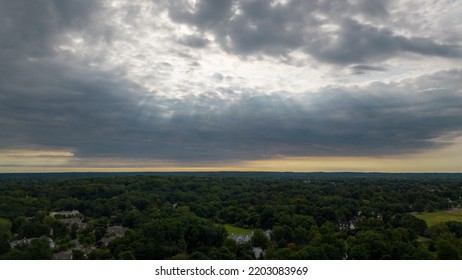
208, 13
372, 8
51, 100
33, 28
194, 41
259, 27
362, 69
362, 43
96, 115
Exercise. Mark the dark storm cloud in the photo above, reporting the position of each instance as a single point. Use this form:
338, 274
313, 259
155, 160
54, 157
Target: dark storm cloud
382, 119
324, 30
96, 115
32, 27
61, 108
30, 33
51, 100
363, 43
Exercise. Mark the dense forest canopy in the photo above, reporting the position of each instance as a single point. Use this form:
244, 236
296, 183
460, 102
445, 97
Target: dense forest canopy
184, 216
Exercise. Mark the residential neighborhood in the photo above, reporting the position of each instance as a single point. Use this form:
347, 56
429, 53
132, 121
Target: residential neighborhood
75, 224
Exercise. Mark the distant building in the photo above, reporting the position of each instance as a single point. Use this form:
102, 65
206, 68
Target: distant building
20, 242
118, 231
245, 238
65, 213
64, 255
106, 240
242, 238
258, 252
70, 221
115, 231
27, 241
346, 225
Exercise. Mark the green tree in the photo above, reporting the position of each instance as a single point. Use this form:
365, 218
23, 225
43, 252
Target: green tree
4, 244
259, 239
33, 230
126, 255
455, 228
100, 254
5, 226
371, 244
301, 236
282, 233
18, 222
446, 250
39, 249
78, 255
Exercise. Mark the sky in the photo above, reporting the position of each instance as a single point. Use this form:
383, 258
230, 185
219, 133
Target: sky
209, 85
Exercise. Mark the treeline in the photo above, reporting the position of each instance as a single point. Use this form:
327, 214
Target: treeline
183, 217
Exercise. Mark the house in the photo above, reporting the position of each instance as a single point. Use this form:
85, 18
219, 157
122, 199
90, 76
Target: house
115, 231
65, 213
268, 234
70, 221
118, 231
64, 255
258, 252
69, 218
52, 243
346, 225
85, 250
27, 241
242, 238
106, 240
245, 238
20, 242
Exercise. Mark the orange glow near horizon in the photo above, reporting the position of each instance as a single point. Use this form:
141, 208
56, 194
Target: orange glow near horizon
442, 160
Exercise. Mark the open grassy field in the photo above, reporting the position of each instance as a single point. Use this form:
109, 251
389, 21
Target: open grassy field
432, 218
237, 230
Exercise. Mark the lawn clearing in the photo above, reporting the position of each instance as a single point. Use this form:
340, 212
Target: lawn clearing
237, 230
432, 218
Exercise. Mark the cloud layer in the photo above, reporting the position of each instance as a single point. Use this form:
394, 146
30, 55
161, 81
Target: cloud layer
337, 32
220, 81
